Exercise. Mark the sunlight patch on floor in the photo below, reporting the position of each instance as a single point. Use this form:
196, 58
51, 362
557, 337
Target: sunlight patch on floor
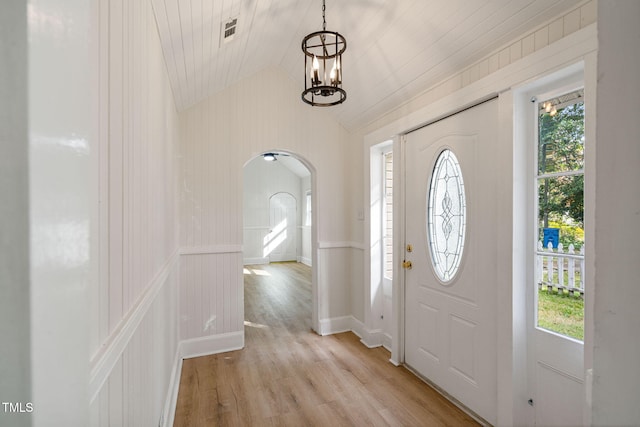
255, 325
255, 271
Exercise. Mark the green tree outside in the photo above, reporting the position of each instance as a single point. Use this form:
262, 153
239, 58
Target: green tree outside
561, 149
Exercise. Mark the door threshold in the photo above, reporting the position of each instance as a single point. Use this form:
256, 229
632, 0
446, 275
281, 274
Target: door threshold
450, 398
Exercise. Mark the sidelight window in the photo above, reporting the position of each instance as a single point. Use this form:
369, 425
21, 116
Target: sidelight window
560, 214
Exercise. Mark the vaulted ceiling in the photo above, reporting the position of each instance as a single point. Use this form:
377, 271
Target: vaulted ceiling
395, 48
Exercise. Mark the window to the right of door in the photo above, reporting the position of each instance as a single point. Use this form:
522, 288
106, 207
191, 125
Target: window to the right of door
560, 214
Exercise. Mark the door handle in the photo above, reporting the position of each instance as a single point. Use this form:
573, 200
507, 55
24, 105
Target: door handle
406, 264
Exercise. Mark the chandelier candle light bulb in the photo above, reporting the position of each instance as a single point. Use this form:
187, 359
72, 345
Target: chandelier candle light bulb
315, 79
335, 70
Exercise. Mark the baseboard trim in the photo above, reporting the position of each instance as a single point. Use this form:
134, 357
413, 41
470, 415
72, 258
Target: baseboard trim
341, 245
370, 338
387, 341
336, 325
212, 249
304, 260
255, 261
169, 413
213, 344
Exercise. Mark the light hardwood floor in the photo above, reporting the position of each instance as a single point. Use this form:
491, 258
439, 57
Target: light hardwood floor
288, 376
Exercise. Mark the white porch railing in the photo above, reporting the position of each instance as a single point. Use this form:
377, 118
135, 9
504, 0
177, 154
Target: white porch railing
559, 269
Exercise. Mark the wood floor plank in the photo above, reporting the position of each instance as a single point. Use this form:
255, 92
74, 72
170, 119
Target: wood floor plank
289, 376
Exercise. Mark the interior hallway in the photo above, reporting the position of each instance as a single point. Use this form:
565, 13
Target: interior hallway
288, 375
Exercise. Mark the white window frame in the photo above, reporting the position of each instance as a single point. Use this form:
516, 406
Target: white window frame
555, 91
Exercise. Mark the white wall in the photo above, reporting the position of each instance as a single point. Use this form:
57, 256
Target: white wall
60, 180
261, 181
133, 289
261, 113
616, 347
102, 218
15, 369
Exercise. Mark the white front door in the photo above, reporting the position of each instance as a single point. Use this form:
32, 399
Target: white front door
450, 325
280, 242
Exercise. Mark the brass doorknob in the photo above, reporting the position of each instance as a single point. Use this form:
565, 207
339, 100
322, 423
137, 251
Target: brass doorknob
406, 264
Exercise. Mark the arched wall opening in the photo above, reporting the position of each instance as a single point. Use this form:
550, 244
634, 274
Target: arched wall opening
270, 180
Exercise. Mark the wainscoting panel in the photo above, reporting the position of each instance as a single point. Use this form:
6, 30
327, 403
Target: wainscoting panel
334, 279
211, 294
131, 379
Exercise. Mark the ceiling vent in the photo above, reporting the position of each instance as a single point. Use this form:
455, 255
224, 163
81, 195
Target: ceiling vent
228, 30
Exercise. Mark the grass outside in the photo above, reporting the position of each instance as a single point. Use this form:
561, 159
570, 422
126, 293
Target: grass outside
561, 312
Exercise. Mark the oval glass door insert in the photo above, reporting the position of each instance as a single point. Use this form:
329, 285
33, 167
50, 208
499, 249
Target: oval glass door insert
446, 216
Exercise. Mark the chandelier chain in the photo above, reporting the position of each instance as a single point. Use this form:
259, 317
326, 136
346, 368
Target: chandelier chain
324, 21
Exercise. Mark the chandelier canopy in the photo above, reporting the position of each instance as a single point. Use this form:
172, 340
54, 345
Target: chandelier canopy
323, 66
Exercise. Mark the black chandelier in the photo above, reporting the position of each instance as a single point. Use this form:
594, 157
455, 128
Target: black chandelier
323, 66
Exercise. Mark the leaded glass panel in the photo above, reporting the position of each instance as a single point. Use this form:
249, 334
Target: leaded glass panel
446, 216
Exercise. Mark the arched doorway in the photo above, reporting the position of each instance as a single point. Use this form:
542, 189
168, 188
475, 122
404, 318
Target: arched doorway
273, 183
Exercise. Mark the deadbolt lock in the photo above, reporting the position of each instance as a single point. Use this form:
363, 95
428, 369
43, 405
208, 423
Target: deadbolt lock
406, 264
409, 248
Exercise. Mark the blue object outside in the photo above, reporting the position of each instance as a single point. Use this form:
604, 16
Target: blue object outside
550, 235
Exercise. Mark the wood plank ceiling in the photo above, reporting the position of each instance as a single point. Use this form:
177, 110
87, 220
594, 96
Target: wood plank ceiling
396, 48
